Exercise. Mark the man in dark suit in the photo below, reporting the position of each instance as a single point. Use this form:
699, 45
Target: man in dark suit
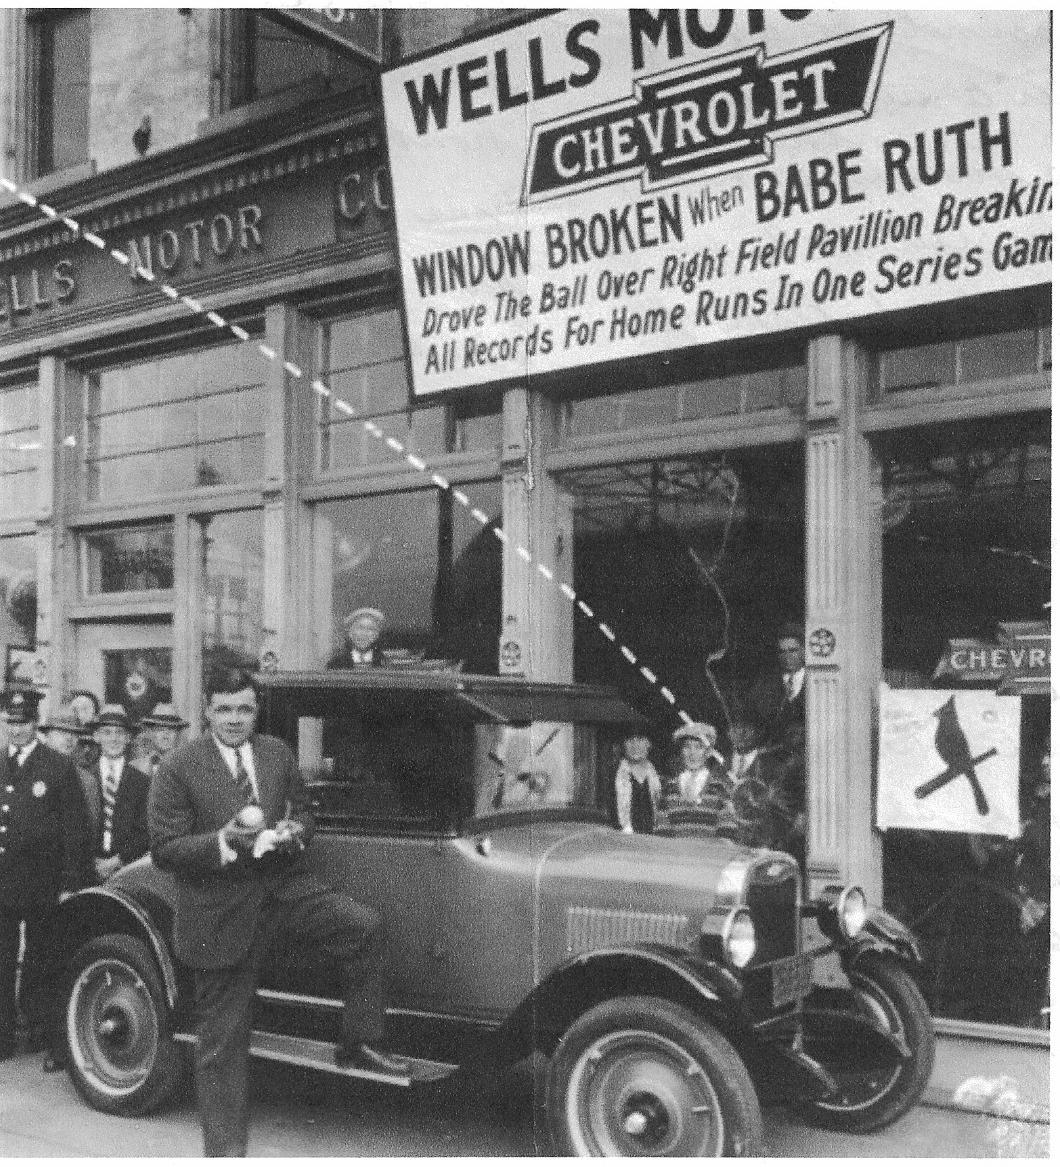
768, 796
115, 792
245, 897
778, 696
42, 855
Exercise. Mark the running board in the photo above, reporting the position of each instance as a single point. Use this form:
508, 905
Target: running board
320, 1055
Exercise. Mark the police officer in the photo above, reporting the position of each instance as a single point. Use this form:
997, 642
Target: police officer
43, 844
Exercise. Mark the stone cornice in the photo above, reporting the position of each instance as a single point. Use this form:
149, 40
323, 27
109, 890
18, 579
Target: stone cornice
342, 125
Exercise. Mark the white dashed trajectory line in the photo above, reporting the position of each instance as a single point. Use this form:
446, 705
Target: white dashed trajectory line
318, 386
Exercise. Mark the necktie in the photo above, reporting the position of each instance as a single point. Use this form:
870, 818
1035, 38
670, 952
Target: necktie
15, 757
110, 793
246, 787
789, 685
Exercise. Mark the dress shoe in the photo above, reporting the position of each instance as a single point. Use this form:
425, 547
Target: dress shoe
363, 1057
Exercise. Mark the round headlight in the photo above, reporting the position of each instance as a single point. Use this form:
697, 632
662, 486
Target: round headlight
738, 938
852, 910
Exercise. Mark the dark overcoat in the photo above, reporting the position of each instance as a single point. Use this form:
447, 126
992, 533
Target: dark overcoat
43, 830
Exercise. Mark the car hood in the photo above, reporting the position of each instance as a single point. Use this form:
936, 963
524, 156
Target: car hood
596, 887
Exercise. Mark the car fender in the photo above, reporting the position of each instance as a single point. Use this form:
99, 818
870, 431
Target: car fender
884, 935
95, 911
602, 974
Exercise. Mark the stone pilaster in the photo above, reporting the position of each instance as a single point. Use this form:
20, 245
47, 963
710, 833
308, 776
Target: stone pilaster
537, 621
842, 620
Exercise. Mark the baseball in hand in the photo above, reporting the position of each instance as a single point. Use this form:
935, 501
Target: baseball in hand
251, 817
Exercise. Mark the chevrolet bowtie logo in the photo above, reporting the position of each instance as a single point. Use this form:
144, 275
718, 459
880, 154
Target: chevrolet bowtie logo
710, 118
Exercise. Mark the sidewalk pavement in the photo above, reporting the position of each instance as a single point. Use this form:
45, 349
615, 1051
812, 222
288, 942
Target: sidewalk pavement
304, 1114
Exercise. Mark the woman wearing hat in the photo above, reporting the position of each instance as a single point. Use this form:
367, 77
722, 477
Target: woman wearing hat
361, 649
703, 781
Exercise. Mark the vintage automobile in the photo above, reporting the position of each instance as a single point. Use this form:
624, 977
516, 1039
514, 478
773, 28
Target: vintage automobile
666, 980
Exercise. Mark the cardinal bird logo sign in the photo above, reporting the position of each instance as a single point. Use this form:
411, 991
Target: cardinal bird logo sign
949, 761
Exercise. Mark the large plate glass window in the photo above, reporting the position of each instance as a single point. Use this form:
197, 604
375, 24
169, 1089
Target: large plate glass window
232, 575
19, 450
362, 361
175, 423
425, 563
696, 563
966, 549
18, 607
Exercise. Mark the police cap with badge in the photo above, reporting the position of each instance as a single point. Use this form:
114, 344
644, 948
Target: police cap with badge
19, 705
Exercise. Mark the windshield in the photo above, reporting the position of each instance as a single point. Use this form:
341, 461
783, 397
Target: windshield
544, 764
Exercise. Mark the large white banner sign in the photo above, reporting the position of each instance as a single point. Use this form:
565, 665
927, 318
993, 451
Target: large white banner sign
949, 761
598, 184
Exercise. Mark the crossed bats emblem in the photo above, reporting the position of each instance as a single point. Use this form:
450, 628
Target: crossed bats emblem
952, 746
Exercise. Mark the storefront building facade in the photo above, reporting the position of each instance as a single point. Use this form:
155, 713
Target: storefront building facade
171, 495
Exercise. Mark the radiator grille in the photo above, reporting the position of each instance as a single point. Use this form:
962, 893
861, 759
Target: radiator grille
774, 907
589, 928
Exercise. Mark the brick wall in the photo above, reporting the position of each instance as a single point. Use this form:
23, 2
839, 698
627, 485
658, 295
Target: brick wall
146, 60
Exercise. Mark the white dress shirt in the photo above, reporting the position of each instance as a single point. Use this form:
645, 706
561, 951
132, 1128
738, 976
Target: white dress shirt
793, 683
19, 756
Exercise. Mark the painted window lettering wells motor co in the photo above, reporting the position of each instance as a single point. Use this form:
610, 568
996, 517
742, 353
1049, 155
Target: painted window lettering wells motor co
666, 979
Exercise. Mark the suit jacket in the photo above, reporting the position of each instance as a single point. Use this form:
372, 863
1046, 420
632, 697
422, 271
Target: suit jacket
129, 826
767, 802
771, 708
193, 796
44, 846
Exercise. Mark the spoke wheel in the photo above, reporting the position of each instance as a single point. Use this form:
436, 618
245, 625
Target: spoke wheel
121, 1058
642, 1076
869, 1098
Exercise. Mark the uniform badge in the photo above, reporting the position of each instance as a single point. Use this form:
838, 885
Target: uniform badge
39, 789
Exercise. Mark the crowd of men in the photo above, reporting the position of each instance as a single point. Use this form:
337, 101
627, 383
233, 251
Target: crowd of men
74, 811
225, 815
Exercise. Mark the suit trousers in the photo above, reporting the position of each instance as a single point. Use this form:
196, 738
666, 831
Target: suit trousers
300, 917
37, 964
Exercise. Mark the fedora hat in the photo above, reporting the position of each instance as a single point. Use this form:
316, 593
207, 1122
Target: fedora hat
165, 716
113, 715
66, 720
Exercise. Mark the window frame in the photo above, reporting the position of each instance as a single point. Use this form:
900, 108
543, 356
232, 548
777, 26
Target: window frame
40, 91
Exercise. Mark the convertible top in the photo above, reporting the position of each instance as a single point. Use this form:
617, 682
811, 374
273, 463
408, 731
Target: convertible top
502, 700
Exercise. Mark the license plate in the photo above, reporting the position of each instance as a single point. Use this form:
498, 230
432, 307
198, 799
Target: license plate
792, 979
